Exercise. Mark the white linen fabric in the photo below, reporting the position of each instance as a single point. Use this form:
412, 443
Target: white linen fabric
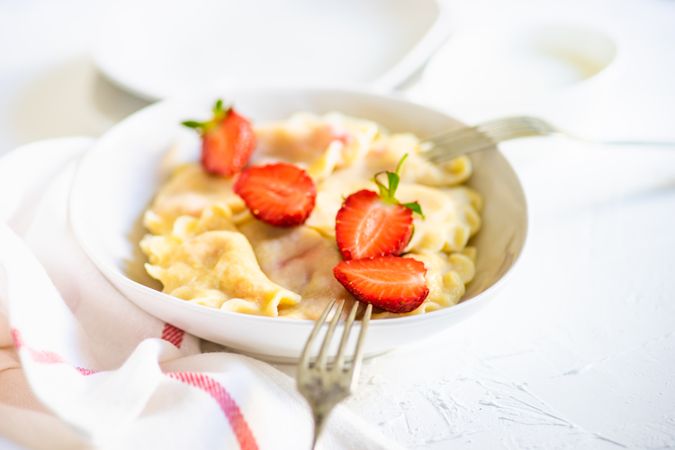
95, 371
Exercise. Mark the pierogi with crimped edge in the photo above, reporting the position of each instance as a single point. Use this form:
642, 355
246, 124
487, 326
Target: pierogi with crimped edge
205, 247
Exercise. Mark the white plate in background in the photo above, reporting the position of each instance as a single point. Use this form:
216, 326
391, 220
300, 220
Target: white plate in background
163, 48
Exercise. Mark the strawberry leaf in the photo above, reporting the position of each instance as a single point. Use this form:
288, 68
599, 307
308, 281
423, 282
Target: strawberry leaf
195, 125
218, 108
384, 190
219, 112
400, 163
388, 192
415, 207
393, 180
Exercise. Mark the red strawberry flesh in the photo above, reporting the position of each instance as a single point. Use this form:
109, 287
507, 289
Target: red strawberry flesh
227, 145
367, 226
280, 194
391, 283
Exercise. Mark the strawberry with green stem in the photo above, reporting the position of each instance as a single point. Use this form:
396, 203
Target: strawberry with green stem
370, 224
228, 140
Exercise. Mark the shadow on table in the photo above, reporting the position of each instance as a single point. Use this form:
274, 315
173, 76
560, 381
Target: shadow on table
69, 99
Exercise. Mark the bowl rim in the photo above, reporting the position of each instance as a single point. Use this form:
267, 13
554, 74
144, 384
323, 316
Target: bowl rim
115, 275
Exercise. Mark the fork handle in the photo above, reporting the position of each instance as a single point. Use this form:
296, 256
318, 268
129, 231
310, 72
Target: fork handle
507, 128
475, 140
631, 143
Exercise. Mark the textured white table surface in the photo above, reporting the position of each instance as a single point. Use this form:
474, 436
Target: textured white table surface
578, 350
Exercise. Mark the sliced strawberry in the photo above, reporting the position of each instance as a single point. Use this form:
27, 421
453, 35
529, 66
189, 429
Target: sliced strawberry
391, 283
228, 141
370, 224
280, 194
366, 226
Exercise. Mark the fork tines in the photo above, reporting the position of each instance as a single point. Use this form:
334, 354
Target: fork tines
466, 140
326, 383
339, 362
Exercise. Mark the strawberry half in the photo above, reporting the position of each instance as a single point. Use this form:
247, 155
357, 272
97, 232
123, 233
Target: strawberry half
366, 226
280, 194
391, 283
370, 224
228, 140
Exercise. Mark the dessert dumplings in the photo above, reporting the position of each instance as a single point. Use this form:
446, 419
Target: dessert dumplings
252, 228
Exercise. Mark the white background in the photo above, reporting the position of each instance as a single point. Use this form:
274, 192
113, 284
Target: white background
578, 351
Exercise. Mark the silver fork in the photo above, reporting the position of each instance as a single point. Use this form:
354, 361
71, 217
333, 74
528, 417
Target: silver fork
326, 383
461, 141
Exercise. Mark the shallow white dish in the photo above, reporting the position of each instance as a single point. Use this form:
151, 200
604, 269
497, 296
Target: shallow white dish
119, 175
163, 48
503, 69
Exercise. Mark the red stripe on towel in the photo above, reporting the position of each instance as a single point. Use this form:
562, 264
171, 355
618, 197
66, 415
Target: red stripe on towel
16, 338
173, 334
43, 356
227, 404
207, 384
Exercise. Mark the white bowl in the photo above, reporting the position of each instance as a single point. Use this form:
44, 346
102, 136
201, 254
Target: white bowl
117, 178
